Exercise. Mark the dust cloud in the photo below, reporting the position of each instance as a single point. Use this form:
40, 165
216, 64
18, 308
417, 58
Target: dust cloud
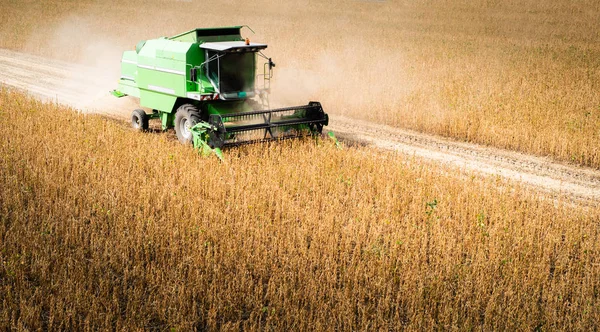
94, 67
350, 78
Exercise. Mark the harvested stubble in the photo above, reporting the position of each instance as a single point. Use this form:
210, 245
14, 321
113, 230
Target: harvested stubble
102, 227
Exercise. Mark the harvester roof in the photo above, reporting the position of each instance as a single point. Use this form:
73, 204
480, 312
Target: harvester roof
233, 46
210, 34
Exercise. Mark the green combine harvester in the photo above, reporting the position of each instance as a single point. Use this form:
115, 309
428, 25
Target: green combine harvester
203, 83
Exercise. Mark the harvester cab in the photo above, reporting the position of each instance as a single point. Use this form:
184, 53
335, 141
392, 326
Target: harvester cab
230, 67
203, 84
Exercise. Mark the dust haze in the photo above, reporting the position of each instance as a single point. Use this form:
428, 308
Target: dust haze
96, 64
345, 77
355, 77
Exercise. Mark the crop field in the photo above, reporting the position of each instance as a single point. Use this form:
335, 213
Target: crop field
105, 228
102, 227
521, 75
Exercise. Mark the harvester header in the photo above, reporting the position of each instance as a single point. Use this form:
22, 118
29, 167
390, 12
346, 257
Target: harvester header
204, 83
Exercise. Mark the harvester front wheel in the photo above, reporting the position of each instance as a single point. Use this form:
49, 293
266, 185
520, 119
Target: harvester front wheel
186, 117
139, 120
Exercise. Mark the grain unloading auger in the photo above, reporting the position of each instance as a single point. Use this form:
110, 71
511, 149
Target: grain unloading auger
203, 83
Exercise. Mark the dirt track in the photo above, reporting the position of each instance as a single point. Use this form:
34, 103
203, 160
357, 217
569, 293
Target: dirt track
78, 86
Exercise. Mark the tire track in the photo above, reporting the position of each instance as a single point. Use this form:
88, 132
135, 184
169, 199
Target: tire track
579, 183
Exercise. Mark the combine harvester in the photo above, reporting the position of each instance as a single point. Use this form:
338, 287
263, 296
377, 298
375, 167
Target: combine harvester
203, 83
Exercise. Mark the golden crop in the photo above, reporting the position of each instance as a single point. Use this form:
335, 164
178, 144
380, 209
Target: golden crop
105, 228
520, 75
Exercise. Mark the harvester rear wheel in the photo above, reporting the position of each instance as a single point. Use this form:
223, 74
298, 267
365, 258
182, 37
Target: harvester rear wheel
186, 117
139, 120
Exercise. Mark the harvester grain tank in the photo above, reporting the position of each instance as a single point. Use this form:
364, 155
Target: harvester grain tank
204, 84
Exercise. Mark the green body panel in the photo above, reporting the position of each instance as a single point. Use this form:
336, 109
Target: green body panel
158, 101
130, 89
129, 64
159, 73
162, 73
127, 83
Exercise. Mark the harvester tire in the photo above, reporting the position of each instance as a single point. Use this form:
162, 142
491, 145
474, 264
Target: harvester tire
139, 120
186, 117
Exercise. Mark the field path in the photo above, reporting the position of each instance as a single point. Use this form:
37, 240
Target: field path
80, 87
